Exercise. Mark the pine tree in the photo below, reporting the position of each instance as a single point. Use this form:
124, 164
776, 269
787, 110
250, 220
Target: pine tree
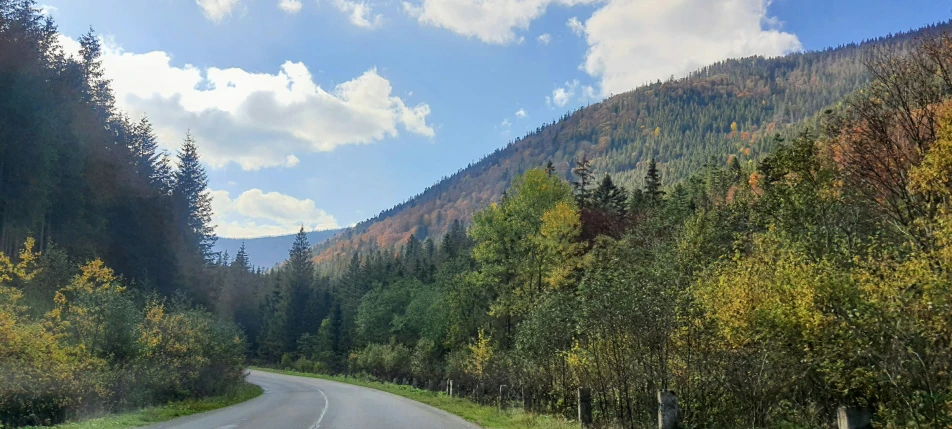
610, 198
653, 191
300, 283
98, 90
147, 159
193, 200
583, 171
241, 259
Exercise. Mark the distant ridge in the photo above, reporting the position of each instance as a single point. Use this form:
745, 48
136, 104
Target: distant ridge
266, 252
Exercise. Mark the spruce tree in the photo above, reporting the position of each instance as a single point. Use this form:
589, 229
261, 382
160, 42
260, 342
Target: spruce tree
241, 259
193, 200
148, 160
583, 171
609, 198
653, 190
300, 282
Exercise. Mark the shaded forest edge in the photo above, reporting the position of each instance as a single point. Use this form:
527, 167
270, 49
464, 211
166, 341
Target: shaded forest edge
764, 294
110, 296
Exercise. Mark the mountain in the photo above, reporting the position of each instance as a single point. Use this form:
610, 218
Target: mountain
729, 109
266, 252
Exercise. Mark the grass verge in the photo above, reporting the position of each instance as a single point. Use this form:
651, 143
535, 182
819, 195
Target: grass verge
150, 415
485, 416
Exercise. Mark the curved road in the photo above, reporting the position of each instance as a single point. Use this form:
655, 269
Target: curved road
291, 402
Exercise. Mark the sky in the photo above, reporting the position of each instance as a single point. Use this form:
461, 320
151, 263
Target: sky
323, 113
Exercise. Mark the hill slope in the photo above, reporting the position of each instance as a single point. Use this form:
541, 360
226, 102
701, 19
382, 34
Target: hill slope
732, 108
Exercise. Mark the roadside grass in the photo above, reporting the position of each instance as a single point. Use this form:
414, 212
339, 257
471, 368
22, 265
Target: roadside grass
485, 416
157, 414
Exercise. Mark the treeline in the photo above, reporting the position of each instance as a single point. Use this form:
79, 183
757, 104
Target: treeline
764, 294
107, 279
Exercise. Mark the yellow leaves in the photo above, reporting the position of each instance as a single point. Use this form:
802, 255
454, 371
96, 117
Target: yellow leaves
934, 174
480, 354
776, 289
95, 277
561, 226
23, 270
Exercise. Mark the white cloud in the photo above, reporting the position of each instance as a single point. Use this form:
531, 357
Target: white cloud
575, 25
290, 6
217, 10
491, 21
632, 42
70, 47
47, 10
521, 113
256, 120
505, 123
361, 13
544, 38
571, 90
255, 213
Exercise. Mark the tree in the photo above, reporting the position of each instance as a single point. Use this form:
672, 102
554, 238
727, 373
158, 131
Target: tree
583, 171
194, 201
610, 198
653, 190
300, 283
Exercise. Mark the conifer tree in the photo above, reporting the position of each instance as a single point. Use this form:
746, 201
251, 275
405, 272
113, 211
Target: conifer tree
583, 171
653, 190
193, 200
300, 282
609, 198
241, 259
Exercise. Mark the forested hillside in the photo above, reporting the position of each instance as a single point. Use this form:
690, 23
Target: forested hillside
810, 285
108, 283
728, 109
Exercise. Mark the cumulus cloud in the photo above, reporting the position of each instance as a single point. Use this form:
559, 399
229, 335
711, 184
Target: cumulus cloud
256, 120
290, 6
521, 113
47, 10
632, 42
491, 21
544, 38
571, 90
255, 213
217, 10
360, 13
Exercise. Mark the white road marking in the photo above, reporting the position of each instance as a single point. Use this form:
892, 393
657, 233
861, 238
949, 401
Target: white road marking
327, 403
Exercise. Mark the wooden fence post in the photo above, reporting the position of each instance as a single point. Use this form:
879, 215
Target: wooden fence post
502, 400
585, 406
527, 400
854, 418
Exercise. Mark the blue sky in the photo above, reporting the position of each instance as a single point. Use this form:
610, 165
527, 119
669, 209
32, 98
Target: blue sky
324, 113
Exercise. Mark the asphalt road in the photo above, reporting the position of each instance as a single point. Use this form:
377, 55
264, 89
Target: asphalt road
291, 402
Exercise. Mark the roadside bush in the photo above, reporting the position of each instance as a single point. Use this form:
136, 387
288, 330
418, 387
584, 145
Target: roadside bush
98, 350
